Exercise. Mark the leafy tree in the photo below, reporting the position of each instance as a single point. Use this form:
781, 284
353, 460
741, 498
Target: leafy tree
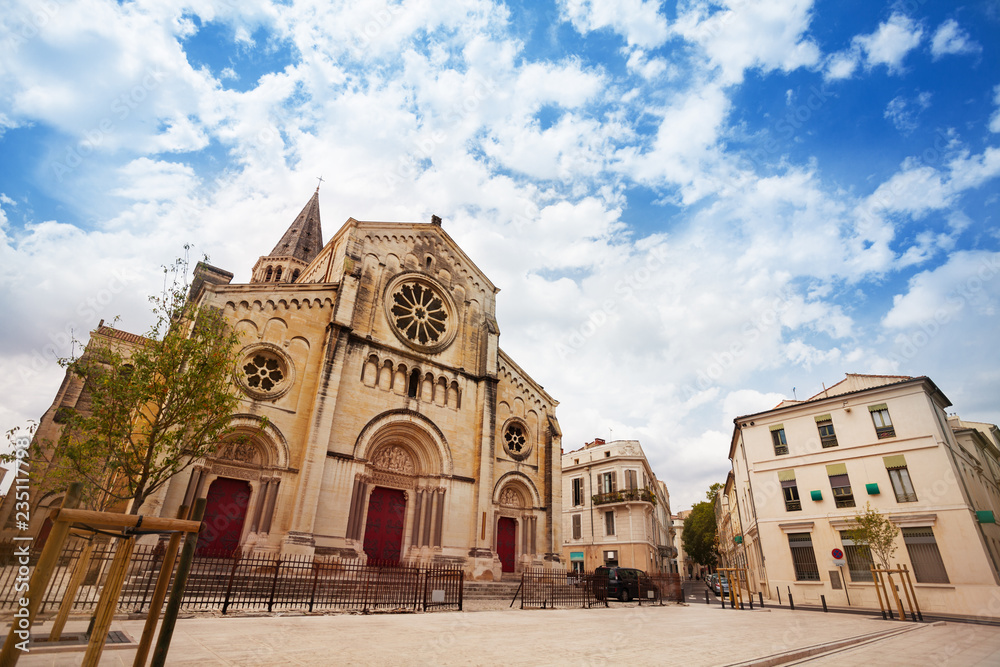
699, 536
156, 403
877, 533
713, 490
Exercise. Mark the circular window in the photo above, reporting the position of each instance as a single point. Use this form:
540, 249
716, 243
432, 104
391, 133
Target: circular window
515, 440
421, 314
264, 372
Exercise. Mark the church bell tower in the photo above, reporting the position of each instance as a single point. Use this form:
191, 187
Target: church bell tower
300, 244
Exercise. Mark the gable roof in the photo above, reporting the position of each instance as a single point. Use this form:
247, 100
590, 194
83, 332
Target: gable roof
858, 382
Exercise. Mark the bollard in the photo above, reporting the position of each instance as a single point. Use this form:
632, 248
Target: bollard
791, 602
822, 598
760, 596
706, 597
779, 594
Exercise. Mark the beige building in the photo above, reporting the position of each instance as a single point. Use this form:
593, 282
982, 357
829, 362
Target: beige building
729, 530
615, 510
397, 429
802, 470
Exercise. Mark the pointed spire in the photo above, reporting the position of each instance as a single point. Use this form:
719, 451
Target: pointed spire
304, 237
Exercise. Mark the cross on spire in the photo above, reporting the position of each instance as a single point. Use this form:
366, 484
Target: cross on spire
320, 179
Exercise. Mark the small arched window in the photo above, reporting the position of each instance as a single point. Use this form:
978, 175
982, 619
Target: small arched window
295, 275
267, 275
414, 385
277, 275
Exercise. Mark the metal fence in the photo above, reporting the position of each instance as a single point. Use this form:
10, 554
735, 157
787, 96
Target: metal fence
556, 588
248, 581
552, 588
669, 585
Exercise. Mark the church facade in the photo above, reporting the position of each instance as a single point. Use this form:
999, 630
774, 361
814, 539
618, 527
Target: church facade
396, 428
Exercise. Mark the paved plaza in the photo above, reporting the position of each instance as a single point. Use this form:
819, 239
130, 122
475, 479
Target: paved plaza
622, 634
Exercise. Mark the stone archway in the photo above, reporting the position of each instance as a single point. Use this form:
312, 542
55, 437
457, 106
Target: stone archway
516, 522
398, 505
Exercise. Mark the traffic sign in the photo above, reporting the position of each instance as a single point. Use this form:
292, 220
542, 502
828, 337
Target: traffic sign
838, 554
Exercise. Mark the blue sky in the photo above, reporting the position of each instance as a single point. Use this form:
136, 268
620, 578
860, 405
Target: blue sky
691, 208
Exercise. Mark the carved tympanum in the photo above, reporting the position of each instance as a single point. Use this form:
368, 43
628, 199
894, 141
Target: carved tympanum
394, 459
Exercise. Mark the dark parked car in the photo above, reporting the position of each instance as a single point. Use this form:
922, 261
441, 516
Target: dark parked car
624, 583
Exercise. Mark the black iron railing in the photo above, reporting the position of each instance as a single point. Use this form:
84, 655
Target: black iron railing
251, 581
627, 495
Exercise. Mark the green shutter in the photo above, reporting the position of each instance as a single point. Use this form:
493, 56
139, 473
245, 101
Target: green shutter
816, 495
786, 475
872, 489
824, 418
836, 469
777, 427
876, 408
895, 461
985, 516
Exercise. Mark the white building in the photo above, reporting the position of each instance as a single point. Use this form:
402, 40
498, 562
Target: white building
803, 469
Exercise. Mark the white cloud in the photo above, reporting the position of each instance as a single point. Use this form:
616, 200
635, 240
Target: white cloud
891, 42
918, 189
638, 21
156, 180
950, 39
842, 65
744, 402
769, 34
684, 152
968, 281
888, 46
971, 171
904, 113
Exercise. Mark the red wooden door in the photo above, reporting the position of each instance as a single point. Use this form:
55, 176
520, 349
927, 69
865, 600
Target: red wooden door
43, 535
506, 539
225, 513
384, 527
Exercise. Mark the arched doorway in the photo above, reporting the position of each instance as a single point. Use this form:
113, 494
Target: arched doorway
225, 512
507, 543
384, 527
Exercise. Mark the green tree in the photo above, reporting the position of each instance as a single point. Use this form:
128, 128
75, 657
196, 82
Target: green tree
156, 404
699, 536
875, 532
713, 490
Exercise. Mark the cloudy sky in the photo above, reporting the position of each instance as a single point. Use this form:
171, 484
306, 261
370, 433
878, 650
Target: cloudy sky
693, 210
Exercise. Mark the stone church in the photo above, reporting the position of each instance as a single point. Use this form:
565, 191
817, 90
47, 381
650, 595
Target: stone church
397, 429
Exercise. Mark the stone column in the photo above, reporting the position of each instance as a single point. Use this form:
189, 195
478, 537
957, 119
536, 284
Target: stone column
439, 519
272, 495
258, 509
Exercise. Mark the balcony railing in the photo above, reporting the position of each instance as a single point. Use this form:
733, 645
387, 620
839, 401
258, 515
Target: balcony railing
628, 495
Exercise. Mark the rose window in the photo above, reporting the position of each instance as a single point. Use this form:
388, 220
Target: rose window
515, 440
419, 313
263, 372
